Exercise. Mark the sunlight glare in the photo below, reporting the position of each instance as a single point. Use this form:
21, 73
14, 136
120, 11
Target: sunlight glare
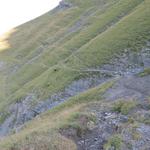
16, 12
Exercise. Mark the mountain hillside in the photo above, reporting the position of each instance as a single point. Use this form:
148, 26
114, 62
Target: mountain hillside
78, 77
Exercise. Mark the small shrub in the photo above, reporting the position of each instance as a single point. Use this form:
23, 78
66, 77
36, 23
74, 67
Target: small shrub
114, 142
145, 72
146, 121
3, 116
136, 136
124, 106
79, 122
131, 120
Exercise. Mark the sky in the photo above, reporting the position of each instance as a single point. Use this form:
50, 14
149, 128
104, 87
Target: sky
16, 12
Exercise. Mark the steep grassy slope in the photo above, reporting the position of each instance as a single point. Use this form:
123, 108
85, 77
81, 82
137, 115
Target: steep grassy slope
104, 51
19, 38
44, 56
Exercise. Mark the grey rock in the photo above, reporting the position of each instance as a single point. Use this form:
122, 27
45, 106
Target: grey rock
123, 119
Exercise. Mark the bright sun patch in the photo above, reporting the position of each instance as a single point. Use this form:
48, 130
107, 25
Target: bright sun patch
4, 44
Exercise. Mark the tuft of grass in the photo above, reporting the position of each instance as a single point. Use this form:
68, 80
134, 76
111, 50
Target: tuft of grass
80, 122
136, 135
3, 116
133, 130
146, 72
124, 107
146, 121
77, 115
114, 142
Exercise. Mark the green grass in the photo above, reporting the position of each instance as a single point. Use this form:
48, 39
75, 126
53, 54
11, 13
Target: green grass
124, 107
80, 122
3, 116
106, 46
146, 72
114, 142
58, 53
48, 58
146, 121
43, 142
78, 51
123, 35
